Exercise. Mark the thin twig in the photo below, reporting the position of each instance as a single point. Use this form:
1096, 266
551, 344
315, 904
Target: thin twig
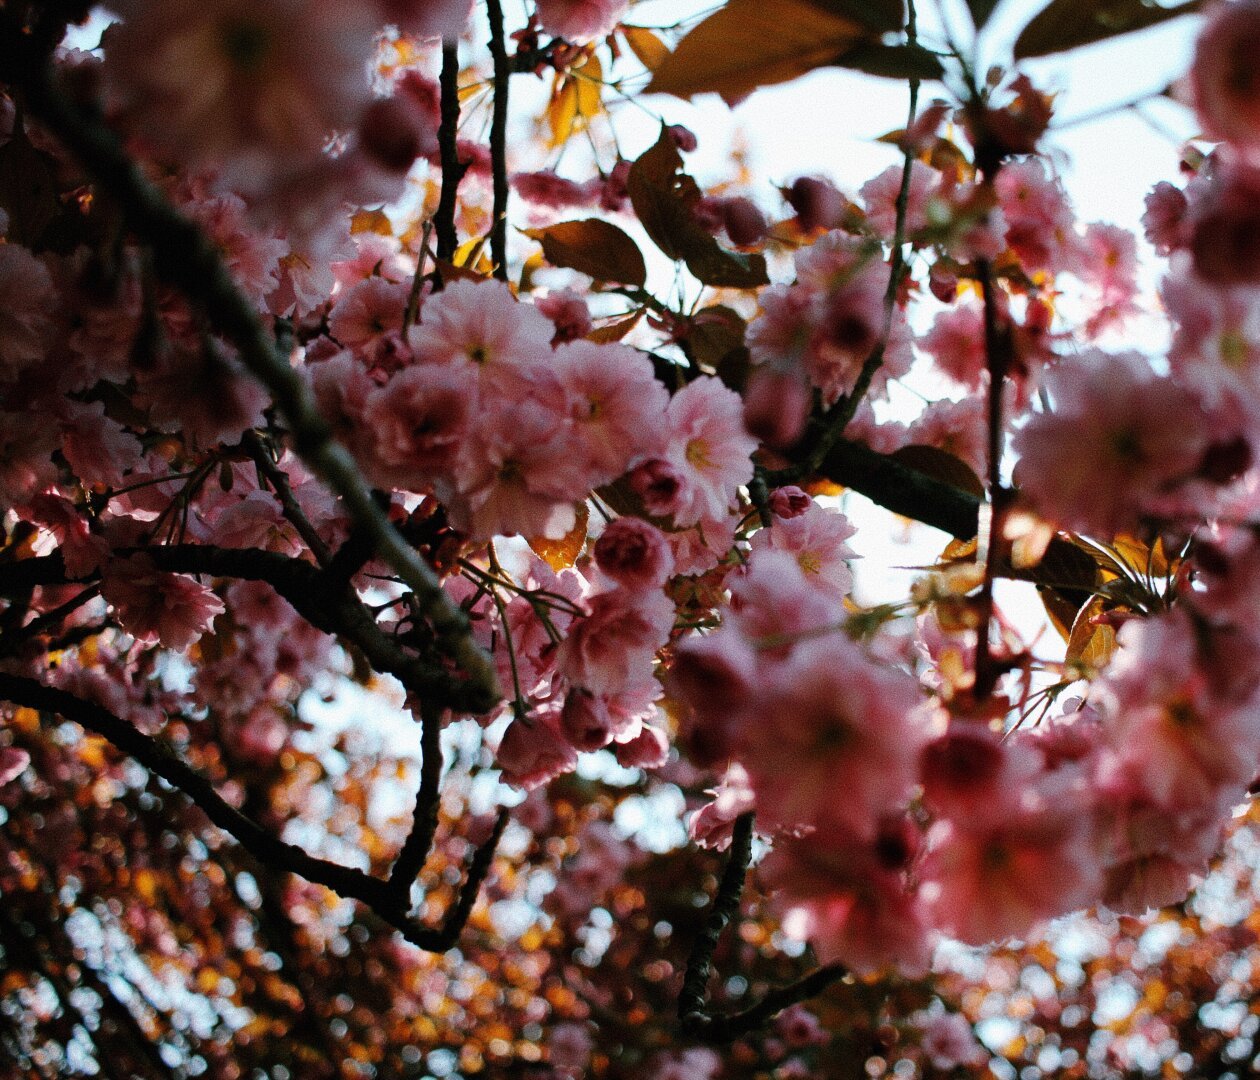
845, 409
293, 511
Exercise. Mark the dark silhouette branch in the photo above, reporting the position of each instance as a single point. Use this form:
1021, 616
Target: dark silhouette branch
448, 142
425, 816
381, 897
325, 602
498, 139
279, 481
693, 1013
727, 1028
692, 1009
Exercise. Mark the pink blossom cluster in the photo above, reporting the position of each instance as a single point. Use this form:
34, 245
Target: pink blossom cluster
476, 405
580, 656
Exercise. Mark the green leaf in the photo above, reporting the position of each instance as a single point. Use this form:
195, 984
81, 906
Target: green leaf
1068, 24
893, 61
879, 16
594, 247
664, 198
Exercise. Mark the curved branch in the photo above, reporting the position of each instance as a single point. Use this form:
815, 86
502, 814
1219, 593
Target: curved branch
381, 897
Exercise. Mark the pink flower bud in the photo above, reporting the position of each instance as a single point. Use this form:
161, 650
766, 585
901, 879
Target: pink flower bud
817, 202
745, 223
634, 554
647, 750
683, 138
789, 502
658, 484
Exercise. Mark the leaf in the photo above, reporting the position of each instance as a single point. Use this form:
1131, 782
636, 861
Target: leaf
664, 199
1065, 567
939, 465
1061, 611
1068, 24
593, 247
616, 330
563, 553
1090, 644
646, 45
371, 221
981, 10
752, 43
879, 16
716, 343
1146, 561
892, 61
576, 98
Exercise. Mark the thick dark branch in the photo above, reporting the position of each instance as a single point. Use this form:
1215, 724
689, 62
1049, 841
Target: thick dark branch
325, 602
692, 1010
424, 819
186, 259
903, 490
498, 139
452, 168
382, 897
154, 756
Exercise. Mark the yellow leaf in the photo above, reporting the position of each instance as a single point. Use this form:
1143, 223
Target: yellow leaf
562, 553
650, 49
371, 221
576, 98
752, 43
1091, 644
562, 110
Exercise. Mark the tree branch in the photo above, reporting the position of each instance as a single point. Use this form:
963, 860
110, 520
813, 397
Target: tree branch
279, 482
692, 1010
184, 258
498, 139
425, 816
452, 168
840, 416
693, 1014
327, 603
727, 1028
381, 897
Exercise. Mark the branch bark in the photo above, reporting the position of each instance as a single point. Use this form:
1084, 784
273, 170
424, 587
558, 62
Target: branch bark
382, 897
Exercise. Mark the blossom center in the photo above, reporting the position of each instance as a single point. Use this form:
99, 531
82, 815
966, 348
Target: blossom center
698, 454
